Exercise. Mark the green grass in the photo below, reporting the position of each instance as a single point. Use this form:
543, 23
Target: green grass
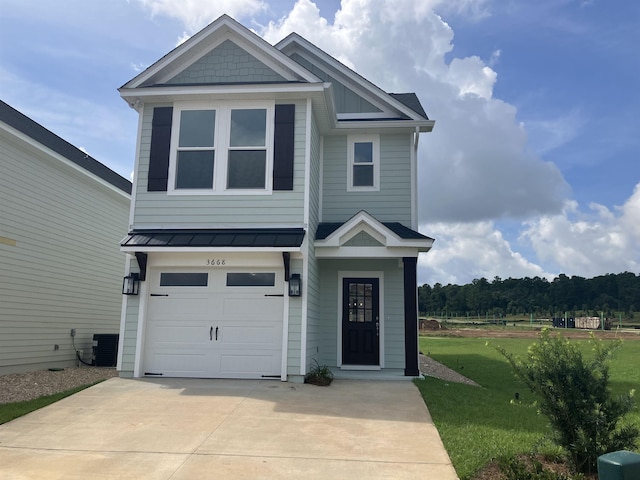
10, 411
480, 424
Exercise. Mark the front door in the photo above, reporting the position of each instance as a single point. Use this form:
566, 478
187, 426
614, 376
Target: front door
360, 321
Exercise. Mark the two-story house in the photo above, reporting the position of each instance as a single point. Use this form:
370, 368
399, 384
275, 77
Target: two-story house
274, 215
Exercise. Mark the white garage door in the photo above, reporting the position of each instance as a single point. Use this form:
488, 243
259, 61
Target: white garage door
214, 323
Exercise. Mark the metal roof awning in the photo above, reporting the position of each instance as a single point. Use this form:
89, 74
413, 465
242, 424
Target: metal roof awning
249, 238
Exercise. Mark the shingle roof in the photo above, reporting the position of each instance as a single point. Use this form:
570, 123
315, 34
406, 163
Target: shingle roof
410, 100
243, 237
37, 132
326, 229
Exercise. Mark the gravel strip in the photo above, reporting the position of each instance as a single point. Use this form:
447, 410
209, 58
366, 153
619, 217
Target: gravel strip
17, 387
431, 368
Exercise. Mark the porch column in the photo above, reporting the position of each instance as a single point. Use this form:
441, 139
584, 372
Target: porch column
410, 317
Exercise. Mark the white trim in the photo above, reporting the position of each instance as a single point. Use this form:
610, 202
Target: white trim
366, 252
413, 148
342, 274
285, 334
305, 305
142, 317
307, 164
374, 139
321, 180
123, 317
221, 146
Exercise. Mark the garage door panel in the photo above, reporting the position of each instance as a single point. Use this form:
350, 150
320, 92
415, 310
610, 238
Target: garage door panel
254, 365
215, 331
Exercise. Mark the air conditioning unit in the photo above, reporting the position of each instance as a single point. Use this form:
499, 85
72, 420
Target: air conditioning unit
105, 349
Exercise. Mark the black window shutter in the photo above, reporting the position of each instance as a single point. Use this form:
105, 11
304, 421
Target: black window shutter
283, 147
160, 149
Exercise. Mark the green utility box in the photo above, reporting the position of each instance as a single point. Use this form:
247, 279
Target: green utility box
621, 465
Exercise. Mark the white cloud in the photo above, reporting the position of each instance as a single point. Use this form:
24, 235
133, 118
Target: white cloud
602, 241
465, 251
196, 14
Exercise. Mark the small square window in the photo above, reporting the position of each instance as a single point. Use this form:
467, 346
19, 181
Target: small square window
195, 169
247, 169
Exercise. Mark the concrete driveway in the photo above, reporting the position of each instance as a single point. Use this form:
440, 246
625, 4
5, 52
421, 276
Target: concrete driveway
228, 429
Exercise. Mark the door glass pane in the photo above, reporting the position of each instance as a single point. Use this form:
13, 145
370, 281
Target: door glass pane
363, 175
195, 169
363, 152
247, 169
267, 279
248, 128
196, 128
183, 279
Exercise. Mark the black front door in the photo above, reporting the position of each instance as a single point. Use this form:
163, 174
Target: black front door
360, 321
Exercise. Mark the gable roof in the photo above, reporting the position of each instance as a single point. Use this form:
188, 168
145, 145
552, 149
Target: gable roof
197, 46
403, 106
38, 133
331, 238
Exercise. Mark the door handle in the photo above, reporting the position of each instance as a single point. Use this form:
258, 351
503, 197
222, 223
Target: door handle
377, 329
211, 334
216, 334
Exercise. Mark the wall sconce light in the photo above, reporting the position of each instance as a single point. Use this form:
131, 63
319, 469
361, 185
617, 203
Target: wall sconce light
295, 285
131, 284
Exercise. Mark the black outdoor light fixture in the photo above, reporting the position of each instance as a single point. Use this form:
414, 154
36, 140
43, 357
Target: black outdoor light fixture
131, 284
295, 285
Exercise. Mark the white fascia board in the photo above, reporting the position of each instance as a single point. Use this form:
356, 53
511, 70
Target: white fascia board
355, 225
209, 92
227, 28
145, 249
366, 252
61, 158
423, 125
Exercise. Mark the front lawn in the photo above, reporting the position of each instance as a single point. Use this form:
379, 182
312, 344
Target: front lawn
481, 424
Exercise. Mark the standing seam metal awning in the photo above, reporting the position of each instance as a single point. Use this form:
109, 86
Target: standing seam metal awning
247, 238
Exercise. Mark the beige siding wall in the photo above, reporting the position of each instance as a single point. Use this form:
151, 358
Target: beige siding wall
60, 264
159, 210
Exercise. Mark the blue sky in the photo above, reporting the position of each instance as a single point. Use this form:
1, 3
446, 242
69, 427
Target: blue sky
533, 166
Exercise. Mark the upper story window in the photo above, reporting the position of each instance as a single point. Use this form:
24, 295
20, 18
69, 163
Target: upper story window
363, 157
221, 148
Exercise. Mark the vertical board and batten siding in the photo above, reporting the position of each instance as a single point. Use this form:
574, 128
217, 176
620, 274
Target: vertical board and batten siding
294, 344
313, 340
393, 308
65, 270
392, 203
130, 335
158, 209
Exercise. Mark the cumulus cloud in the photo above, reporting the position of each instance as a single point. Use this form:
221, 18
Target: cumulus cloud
588, 244
196, 14
465, 251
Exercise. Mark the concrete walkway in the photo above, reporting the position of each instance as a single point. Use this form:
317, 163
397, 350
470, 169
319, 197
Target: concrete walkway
228, 429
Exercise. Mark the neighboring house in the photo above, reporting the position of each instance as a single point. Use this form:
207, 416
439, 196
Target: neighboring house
258, 166
62, 214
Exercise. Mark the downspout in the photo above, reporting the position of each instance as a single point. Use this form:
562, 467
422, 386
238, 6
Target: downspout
414, 180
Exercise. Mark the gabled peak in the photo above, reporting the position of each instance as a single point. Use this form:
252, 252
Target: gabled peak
225, 30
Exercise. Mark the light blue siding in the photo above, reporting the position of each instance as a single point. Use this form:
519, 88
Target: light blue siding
392, 203
227, 63
393, 320
158, 209
346, 100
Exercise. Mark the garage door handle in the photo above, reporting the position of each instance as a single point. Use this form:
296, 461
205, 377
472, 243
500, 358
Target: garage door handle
216, 334
211, 334
159, 294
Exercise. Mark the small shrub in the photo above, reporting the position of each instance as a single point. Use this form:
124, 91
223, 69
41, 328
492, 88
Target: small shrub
319, 375
530, 468
576, 398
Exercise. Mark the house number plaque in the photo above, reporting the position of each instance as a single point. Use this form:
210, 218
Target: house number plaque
216, 262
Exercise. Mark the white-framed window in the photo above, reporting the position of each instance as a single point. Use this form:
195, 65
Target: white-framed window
221, 148
363, 159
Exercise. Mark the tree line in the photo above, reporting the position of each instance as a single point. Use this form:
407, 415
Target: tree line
575, 295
